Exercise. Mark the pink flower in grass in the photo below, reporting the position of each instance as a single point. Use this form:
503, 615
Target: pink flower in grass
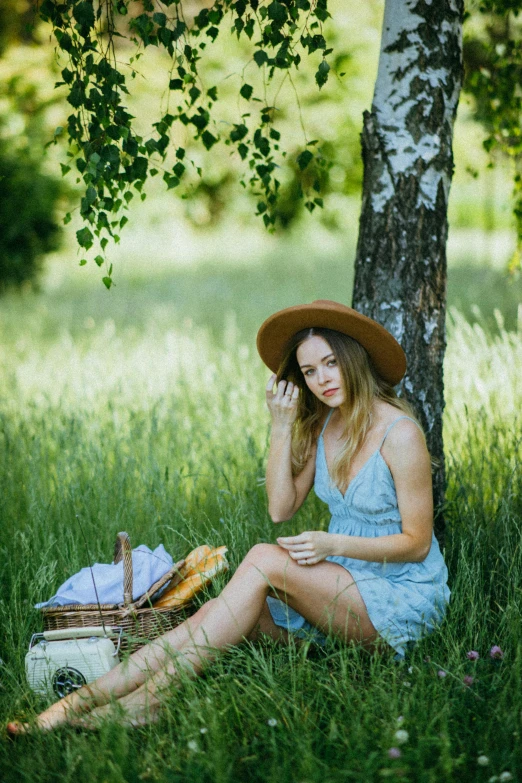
496, 652
467, 680
394, 753
472, 655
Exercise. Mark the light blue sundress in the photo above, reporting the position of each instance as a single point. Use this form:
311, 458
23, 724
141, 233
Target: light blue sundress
404, 600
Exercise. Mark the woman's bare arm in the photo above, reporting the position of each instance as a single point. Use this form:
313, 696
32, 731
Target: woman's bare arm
409, 462
286, 493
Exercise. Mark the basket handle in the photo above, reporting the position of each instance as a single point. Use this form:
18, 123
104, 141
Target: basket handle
122, 549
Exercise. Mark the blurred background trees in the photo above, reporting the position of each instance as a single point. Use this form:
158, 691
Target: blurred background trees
30, 111
493, 77
29, 223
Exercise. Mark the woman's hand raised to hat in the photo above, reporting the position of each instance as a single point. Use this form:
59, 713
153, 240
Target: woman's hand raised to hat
282, 403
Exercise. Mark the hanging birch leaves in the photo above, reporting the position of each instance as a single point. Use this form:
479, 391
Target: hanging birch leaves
112, 159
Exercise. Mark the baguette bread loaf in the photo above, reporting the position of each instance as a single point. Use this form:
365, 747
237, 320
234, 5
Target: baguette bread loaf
183, 592
193, 558
204, 563
212, 562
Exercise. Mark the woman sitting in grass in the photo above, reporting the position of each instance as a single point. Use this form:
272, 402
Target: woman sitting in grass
376, 578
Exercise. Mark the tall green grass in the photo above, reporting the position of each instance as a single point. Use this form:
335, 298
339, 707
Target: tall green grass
159, 428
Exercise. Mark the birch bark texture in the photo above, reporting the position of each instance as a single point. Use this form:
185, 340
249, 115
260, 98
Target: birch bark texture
400, 268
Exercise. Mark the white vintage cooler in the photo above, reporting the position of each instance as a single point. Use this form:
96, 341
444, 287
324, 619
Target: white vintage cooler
61, 661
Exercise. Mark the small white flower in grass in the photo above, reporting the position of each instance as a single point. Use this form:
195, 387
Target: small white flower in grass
400, 720
410, 669
401, 736
394, 753
203, 730
193, 745
504, 776
493, 779
441, 673
407, 684
272, 722
483, 761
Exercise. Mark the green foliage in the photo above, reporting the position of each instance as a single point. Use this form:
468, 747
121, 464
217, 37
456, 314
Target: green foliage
111, 157
16, 23
493, 60
29, 225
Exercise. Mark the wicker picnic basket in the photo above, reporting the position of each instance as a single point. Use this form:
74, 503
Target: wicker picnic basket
139, 620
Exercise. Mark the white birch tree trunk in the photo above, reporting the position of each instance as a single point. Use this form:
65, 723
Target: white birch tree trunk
400, 274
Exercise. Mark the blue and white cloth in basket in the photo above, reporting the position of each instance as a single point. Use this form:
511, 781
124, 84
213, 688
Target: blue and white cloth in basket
147, 567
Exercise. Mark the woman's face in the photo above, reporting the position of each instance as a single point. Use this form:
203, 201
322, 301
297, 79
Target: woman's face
321, 371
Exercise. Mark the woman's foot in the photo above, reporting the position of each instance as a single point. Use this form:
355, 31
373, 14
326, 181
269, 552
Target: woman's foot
128, 719
15, 728
92, 722
55, 716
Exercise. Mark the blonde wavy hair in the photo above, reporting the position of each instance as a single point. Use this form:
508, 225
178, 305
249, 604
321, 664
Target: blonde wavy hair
362, 386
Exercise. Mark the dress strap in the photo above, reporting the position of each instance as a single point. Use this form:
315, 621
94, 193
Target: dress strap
393, 425
326, 421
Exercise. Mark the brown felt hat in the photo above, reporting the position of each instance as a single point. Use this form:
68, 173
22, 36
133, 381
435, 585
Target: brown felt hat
386, 354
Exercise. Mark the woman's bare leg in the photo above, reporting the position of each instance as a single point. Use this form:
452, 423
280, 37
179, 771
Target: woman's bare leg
325, 594
125, 677
148, 711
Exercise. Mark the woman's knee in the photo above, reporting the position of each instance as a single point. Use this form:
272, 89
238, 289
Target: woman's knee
266, 559
260, 552
267, 556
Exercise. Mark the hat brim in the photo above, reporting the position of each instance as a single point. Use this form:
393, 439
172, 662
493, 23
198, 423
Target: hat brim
385, 352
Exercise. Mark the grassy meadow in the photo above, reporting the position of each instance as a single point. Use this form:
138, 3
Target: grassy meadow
142, 409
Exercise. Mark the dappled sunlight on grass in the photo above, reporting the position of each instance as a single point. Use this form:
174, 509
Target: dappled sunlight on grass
482, 369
